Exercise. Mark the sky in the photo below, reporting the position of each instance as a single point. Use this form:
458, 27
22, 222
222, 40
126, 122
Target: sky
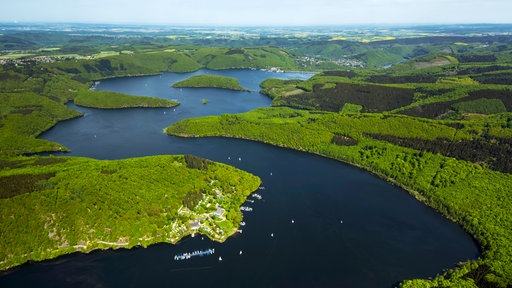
258, 12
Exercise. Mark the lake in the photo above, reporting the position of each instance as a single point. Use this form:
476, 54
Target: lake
320, 222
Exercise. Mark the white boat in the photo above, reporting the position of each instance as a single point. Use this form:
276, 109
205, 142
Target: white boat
220, 258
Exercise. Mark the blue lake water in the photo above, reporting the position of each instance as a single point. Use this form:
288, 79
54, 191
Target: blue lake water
349, 228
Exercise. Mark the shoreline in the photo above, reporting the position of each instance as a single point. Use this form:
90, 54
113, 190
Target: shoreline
178, 227
414, 193
85, 249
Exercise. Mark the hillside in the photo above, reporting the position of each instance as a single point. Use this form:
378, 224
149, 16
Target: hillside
210, 81
52, 206
436, 87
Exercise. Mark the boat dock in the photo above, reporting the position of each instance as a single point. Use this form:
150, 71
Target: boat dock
199, 253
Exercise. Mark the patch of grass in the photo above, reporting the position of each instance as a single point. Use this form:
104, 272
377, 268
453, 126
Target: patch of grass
481, 106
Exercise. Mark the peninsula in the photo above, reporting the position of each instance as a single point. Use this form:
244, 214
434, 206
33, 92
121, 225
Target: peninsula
112, 100
52, 206
210, 81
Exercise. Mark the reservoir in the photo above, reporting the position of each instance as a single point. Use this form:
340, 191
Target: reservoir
319, 223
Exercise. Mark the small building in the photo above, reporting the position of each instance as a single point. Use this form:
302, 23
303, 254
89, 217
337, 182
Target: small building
219, 212
195, 224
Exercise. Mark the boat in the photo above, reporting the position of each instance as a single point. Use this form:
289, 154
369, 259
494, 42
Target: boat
220, 258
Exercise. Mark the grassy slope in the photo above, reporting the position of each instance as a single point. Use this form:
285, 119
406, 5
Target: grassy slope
81, 204
211, 81
473, 196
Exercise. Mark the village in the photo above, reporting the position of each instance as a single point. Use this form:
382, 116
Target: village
347, 62
208, 217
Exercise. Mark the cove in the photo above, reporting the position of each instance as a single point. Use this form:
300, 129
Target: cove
350, 229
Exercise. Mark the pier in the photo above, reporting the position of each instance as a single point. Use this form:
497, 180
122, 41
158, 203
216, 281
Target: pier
199, 253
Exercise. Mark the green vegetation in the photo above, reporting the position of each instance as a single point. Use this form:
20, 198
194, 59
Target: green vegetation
481, 106
471, 194
437, 122
67, 204
33, 103
52, 206
210, 81
181, 59
23, 116
410, 92
278, 87
112, 100
351, 108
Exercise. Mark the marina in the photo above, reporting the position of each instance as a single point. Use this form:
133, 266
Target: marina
199, 253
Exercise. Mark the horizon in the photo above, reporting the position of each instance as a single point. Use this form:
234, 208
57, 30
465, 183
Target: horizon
199, 25
263, 13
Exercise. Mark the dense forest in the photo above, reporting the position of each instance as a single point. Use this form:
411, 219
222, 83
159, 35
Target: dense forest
85, 204
210, 81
